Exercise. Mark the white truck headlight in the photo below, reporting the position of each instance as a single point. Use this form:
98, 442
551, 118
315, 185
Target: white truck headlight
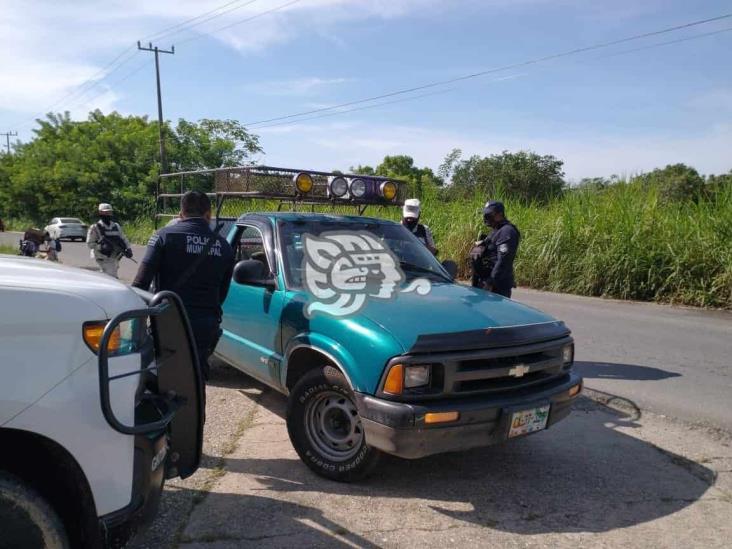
417, 375
568, 354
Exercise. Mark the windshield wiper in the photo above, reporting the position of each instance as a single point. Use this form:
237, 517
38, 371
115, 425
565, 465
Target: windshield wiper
405, 265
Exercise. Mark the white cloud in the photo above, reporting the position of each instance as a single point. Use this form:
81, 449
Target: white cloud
48, 48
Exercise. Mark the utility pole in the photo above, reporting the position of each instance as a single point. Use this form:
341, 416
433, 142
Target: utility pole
161, 130
8, 135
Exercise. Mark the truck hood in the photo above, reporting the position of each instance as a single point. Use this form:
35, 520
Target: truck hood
111, 295
455, 317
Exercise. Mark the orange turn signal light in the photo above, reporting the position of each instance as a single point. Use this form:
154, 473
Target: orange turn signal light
93, 336
441, 417
394, 384
575, 390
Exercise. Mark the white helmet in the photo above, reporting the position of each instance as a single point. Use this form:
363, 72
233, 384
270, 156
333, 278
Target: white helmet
105, 208
411, 208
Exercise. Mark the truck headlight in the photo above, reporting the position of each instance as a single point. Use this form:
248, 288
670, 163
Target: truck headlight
568, 354
417, 375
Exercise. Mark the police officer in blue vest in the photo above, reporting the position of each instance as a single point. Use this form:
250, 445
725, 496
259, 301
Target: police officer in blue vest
191, 260
492, 256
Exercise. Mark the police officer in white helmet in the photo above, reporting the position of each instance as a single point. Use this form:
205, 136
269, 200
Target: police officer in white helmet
107, 241
411, 211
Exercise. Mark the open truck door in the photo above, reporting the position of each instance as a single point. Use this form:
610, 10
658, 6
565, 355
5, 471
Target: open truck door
170, 395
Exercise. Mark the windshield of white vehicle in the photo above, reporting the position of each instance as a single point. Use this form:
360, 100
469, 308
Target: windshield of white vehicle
413, 258
70, 220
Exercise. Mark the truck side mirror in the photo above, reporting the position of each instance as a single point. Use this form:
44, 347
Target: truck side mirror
451, 267
253, 273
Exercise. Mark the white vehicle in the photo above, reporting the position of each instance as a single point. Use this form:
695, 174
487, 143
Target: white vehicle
67, 227
100, 402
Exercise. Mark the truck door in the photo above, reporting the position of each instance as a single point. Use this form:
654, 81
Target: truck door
251, 337
170, 396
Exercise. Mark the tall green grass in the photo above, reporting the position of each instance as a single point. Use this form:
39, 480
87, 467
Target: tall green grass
622, 242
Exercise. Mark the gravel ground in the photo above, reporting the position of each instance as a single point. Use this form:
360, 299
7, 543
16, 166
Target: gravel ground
231, 403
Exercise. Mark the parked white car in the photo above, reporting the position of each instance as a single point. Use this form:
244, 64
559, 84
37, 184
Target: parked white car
67, 227
100, 401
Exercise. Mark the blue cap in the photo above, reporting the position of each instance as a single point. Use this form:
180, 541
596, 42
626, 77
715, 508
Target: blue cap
493, 206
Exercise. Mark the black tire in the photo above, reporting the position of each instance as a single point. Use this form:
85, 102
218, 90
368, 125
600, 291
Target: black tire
325, 428
28, 520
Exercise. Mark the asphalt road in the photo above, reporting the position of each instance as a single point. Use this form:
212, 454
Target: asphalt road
673, 361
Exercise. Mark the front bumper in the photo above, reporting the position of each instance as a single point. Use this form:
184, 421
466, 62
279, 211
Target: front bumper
399, 428
149, 475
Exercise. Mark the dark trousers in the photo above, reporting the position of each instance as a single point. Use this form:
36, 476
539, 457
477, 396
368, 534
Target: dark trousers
505, 291
206, 331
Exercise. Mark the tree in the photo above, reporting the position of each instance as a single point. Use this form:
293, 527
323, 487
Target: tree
447, 167
402, 167
363, 170
71, 166
524, 175
675, 182
715, 184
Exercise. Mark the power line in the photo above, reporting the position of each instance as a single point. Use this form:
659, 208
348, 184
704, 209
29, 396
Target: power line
420, 96
78, 103
164, 34
245, 20
118, 62
493, 70
325, 115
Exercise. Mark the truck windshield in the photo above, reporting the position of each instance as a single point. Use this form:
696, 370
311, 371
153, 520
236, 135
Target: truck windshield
414, 259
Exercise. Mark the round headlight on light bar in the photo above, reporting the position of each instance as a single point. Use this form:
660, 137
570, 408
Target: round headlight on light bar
303, 182
388, 190
358, 188
338, 187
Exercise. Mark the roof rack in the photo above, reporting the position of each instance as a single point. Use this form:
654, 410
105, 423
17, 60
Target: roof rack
285, 186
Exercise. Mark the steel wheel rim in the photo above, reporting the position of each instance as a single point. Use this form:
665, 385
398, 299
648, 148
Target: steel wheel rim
333, 426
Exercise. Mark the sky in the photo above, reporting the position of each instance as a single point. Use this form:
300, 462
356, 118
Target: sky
620, 110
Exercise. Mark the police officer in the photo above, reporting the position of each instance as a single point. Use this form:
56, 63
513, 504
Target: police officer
191, 260
410, 219
493, 255
107, 241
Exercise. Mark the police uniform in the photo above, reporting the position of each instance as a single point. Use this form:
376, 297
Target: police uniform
503, 245
492, 256
107, 256
411, 211
191, 260
423, 234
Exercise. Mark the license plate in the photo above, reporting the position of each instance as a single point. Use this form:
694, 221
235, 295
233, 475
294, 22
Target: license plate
528, 421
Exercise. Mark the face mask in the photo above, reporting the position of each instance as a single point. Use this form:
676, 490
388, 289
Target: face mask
410, 222
106, 219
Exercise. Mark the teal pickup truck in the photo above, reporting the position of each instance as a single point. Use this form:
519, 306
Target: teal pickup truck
379, 349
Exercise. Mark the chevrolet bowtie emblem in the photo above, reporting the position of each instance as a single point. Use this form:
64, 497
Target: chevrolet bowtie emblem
519, 370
